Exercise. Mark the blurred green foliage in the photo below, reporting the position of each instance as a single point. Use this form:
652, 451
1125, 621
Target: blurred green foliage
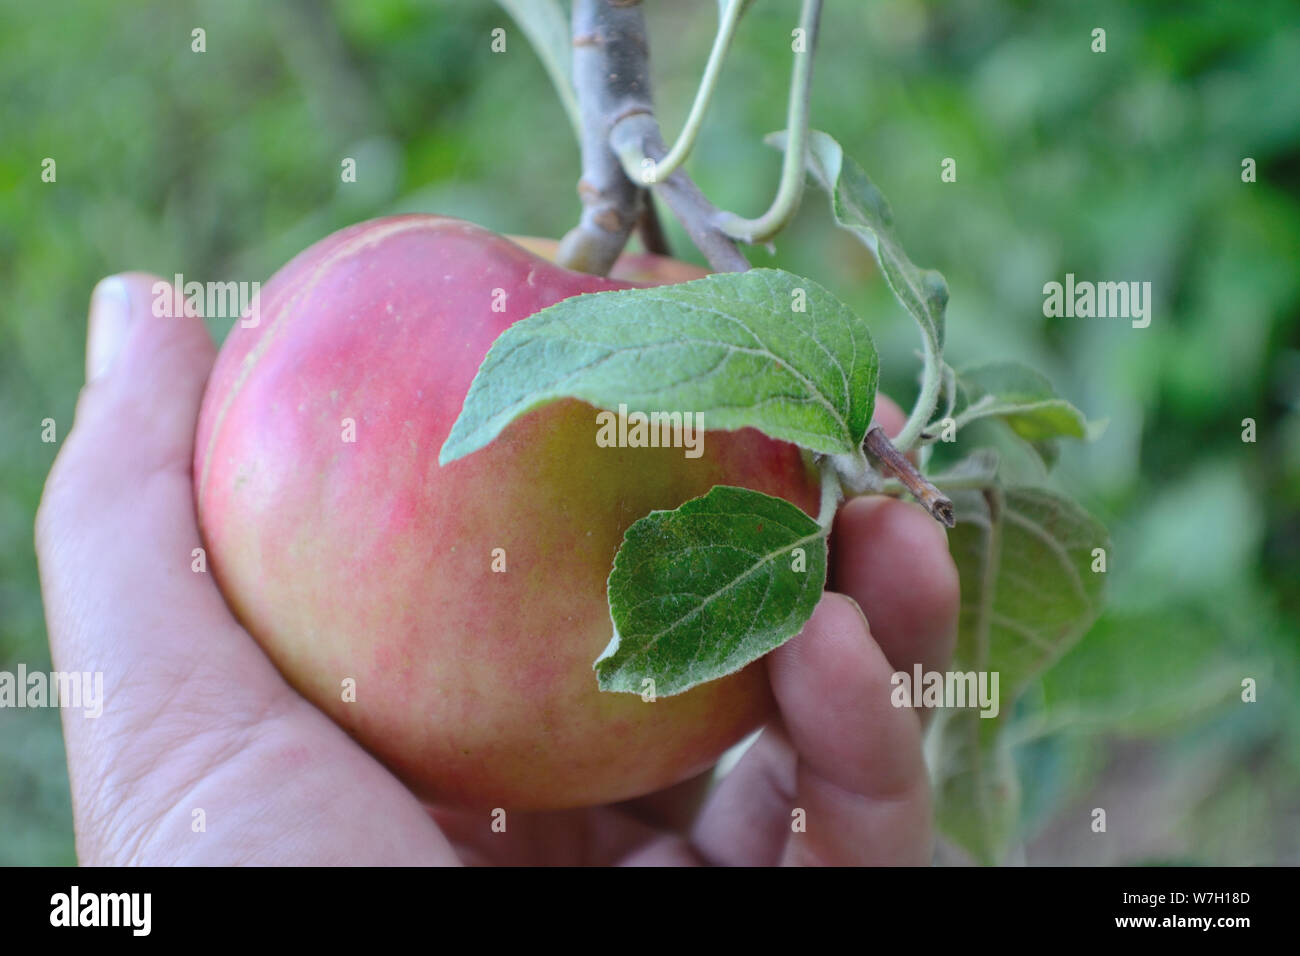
1123, 165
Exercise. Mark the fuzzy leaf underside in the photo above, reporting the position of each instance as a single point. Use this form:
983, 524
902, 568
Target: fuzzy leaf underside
1024, 558
1023, 399
861, 208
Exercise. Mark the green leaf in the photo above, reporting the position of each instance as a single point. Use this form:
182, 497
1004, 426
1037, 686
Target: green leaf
732, 348
862, 209
979, 467
1025, 560
1022, 398
547, 29
1182, 668
1048, 452
976, 788
1019, 462
699, 592
1024, 557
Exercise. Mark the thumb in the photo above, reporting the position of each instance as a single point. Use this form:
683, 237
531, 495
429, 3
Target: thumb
148, 356
120, 493
193, 713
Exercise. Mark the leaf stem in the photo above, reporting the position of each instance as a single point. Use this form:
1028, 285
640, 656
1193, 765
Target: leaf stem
832, 494
790, 189
931, 382
855, 473
949, 390
634, 158
931, 432
973, 411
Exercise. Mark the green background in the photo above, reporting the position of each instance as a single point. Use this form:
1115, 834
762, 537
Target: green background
1123, 165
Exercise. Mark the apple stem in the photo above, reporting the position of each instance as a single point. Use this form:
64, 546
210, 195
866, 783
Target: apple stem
651, 230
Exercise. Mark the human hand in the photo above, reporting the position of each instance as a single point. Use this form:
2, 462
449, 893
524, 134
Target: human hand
199, 725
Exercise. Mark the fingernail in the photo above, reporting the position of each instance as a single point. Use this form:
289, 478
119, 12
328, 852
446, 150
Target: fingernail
110, 318
857, 607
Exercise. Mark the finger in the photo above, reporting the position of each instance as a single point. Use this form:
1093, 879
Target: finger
892, 558
843, 764
194, 716
861, 778
673, 808
746, 819
595, 836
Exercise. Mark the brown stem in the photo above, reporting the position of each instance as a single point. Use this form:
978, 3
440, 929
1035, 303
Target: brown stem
930, 497
651, 229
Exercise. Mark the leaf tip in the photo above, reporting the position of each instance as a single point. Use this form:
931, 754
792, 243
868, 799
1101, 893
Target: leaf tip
449, 452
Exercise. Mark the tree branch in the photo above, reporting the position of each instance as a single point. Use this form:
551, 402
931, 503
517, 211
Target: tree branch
612, 76
639, 133
611, 72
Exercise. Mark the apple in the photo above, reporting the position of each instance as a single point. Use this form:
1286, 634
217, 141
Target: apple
371, 575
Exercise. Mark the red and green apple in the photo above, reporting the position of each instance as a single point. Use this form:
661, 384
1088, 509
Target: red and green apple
372, 576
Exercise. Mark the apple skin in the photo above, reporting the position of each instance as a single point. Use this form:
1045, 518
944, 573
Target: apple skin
367, 560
